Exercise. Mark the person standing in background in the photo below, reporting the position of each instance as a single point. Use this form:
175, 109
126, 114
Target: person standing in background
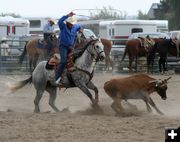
5, 50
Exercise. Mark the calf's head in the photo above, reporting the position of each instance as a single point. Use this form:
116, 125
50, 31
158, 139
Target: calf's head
161, 87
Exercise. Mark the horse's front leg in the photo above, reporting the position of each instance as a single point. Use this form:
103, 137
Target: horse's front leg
81, 85
90, 85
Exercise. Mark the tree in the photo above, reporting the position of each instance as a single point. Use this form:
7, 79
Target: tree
107, 13
10, 14
169, 10
142, 16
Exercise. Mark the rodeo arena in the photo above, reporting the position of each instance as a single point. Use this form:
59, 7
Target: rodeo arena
122, 84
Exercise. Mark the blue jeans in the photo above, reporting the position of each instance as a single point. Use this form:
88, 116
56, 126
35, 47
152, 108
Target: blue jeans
63, 62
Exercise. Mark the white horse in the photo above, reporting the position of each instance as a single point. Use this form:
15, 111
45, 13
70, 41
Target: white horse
80, 77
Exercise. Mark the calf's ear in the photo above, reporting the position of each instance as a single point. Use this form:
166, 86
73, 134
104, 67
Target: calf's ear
152, 81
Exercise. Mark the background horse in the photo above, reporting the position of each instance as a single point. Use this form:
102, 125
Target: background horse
34, 51
82, 40
80, 77
107, 50
163, 47
134, 48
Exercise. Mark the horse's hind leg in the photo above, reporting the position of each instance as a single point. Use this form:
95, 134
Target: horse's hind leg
53, 93
37, 99
30, 66
35, 60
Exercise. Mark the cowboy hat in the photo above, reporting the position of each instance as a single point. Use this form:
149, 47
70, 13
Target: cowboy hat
56, 55
71, 20
52, 21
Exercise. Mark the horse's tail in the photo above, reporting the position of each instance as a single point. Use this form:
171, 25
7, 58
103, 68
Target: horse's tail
124, 55
21, 58
18, 85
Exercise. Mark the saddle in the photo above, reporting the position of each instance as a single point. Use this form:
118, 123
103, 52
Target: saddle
147, 43
70, 61
73, 55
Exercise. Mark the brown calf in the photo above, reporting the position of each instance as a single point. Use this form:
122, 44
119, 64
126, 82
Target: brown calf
135, 87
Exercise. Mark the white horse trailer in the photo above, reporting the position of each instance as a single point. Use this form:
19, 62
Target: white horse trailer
123, 28
37, 24
162, 25
10, 26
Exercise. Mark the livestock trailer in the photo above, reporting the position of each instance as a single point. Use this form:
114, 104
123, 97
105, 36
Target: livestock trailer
10, 26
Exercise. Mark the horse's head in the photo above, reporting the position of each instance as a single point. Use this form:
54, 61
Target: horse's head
96, 50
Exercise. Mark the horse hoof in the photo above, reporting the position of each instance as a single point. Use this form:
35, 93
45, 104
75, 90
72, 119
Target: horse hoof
97, 108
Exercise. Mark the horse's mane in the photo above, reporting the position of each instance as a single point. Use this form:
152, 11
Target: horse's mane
79, 51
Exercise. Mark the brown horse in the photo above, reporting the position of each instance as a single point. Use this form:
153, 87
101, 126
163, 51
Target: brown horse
135, 48
107, 50
34, 52
164, 47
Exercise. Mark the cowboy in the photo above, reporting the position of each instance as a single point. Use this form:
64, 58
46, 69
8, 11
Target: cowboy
48, 30
69, 29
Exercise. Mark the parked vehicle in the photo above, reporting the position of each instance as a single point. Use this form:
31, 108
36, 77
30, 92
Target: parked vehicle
174, 34
88, 33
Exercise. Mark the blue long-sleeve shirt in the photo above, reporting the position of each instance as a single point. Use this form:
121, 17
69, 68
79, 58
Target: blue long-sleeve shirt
67, 36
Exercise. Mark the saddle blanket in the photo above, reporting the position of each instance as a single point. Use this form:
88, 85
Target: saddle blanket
40, 44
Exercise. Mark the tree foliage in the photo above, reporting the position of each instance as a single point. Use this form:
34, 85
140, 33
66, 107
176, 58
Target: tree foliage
10, 14
142, 16
107, 13
169, 10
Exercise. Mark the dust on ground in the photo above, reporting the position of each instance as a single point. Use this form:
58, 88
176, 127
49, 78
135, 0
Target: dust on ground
78, 121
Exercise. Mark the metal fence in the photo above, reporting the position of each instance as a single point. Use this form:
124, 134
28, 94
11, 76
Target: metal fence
10, 64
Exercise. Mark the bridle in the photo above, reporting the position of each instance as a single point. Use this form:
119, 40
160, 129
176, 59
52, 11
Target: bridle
98, 53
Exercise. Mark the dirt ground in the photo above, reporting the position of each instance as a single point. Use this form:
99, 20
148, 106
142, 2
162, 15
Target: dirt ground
78, 122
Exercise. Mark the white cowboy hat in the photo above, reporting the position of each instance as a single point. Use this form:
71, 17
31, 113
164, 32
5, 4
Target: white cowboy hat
52, 21
57, 56
71, 20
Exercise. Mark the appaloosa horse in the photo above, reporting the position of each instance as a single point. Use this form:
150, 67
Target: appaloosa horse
80, 77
